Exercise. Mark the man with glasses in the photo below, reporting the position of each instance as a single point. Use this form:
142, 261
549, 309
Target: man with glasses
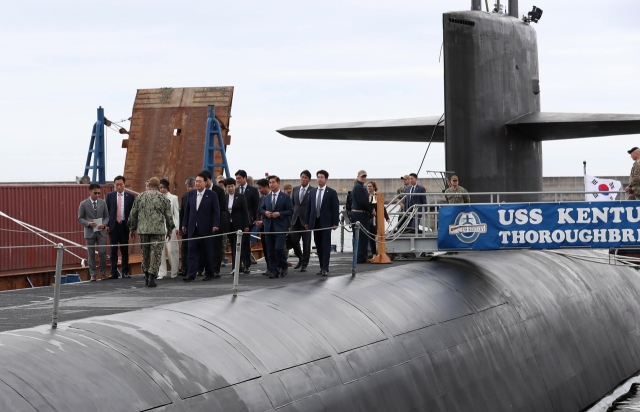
456, 194
94, 216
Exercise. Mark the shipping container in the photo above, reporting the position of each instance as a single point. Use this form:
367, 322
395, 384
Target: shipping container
50, 207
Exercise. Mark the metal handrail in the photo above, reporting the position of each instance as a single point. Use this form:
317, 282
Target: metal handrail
427, 213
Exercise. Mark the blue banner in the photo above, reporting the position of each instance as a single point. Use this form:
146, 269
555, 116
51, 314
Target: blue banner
540, 226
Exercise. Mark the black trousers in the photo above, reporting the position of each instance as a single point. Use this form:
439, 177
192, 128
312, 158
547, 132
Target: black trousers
372, 242
363, 218
304, 253
200, 254
184, 261
276, 258
245, 253
232, 236
119, 235
322, 239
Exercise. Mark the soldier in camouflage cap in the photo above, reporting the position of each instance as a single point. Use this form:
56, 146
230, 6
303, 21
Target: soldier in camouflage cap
634, 179
458, 193
151, 217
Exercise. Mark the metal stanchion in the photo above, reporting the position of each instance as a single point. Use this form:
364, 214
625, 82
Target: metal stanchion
236, 262
381, 257
56, 288
342, 234
356, 236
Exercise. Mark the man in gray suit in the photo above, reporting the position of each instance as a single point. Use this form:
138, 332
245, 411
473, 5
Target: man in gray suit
300, 197
89, 213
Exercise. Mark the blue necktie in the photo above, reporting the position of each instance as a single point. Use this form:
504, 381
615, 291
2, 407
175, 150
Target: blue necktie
319, 201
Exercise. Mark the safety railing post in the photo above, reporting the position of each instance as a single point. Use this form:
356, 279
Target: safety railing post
56, 288
236, 262
356, 237
381, 257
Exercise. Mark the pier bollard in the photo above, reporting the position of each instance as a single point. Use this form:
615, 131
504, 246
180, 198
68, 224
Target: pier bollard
56, 288
356, 237
236, 262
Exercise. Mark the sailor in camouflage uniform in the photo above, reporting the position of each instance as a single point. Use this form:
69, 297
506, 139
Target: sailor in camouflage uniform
634, 179
151, 217
459, 195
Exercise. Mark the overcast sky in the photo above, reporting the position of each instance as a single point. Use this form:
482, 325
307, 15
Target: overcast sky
292, 63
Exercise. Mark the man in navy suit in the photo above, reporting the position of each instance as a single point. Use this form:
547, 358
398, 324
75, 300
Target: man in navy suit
276, 210
323, 212
119, 204
409, 201
201, 218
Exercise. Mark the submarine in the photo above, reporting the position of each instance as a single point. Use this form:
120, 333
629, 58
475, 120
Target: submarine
511, 330
493, 126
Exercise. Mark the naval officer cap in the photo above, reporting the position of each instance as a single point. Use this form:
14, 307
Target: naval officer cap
633, 149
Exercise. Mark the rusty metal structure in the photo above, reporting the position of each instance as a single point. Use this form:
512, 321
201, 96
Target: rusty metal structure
167, 136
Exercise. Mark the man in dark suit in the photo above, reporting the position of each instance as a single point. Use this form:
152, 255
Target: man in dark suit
409, 201
238, 217
300, 199
119, 204
323, 212
276, 210
94, 216
218, 254
201, 218
191, 185
252, 197
263, 189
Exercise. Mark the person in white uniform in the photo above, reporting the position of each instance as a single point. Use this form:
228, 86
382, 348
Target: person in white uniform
171, 247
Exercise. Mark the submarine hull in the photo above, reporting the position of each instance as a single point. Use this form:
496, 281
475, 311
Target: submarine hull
490, 331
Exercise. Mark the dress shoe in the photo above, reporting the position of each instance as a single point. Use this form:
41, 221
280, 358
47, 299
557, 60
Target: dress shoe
199, 274
289, 264
284, 272
222, 265
146, 279
303, 269
152, 281
126, 275
103, 277
181, 272
93, 279
266, 273
247, 272
216, 275
325, 273
272, 275
319, 273
160, 277
207, 278
188, 279
113, 276
299, 265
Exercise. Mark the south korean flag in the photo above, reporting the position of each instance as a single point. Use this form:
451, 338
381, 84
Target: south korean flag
600, 189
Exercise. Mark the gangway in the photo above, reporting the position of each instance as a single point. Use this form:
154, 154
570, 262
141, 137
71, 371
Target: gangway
403, 238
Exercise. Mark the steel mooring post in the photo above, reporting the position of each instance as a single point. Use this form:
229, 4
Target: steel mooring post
356, 237
236, 262
56, 288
